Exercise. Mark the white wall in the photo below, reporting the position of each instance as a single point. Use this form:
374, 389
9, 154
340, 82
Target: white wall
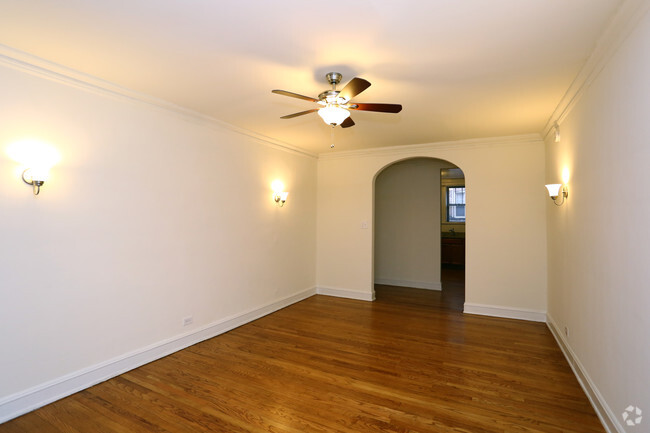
506, 240
598, 241
148, 218
407, 224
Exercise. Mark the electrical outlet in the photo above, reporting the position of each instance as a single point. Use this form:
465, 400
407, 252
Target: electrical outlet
188, 320
364, 224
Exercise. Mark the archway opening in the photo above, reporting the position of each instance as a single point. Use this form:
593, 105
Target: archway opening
419, 231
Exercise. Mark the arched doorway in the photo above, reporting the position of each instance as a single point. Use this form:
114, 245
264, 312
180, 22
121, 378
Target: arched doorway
419, 228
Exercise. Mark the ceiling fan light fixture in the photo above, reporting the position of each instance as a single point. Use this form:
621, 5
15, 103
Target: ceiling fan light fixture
333, 114
335, 104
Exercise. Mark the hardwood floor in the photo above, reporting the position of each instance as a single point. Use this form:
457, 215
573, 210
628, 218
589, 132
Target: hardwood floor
408, 362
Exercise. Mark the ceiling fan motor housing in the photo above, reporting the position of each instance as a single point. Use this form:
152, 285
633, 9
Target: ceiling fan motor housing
333, 78
332, 96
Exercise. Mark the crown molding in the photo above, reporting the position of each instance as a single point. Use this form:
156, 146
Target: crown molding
622, 24
414, 149
51, 71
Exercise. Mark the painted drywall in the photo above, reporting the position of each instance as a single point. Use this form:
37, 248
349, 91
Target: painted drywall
149, 217
407, 224
598, 241
506, 236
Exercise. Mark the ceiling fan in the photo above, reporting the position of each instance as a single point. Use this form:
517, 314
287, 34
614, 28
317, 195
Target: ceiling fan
336, 104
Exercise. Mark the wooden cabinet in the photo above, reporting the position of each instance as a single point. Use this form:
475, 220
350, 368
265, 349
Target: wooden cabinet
452, 251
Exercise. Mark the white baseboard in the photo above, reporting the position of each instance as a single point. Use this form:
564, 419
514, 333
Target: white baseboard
505, 312
604, 412
345, 293
38, 396
413, 284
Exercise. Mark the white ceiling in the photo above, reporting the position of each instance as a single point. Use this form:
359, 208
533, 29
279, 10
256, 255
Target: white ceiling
460, 68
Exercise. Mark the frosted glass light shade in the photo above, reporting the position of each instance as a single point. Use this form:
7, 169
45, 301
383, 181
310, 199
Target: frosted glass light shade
554, 189
280, 197
38, 174
35, 177
333, 115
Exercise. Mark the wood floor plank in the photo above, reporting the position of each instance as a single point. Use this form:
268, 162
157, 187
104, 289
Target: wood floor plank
408, 362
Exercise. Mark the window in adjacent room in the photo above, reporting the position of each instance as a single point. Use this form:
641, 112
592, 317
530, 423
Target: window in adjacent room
455, 204
452, 199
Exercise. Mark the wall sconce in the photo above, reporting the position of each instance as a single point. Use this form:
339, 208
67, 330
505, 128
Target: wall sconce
556, 129
554, 190
279, 196
35, 177
36, 158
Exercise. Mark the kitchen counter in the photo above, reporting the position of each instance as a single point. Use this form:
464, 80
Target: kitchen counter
456, 235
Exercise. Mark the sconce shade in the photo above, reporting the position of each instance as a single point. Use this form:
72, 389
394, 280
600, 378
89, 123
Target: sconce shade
37, 158
554, 189
35, 177
280, 197
37, 174
333, 114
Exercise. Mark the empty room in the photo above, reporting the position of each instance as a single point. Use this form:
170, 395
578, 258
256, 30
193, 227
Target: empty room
295, 216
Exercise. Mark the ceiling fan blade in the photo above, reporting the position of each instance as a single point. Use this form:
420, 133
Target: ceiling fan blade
347, 123
382, 108
353, 88
291, 116
294, 95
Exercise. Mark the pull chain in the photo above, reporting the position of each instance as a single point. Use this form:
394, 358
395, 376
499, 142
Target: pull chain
332, 138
